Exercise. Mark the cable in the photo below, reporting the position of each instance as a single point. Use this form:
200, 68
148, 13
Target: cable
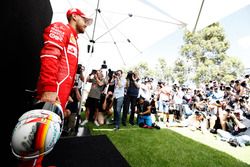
154, 19
159, 20
163, 12
198, 16
113, 27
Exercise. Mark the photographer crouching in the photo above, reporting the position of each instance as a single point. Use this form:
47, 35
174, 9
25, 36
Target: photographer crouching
143, 109
238, 129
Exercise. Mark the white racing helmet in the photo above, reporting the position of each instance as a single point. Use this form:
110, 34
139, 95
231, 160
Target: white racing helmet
37, 131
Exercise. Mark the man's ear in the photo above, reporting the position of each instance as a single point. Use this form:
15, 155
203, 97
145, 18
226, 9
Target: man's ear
74, 16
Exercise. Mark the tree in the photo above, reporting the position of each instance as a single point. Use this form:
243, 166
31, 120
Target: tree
163, 71
206, 49
180, 71
142, 68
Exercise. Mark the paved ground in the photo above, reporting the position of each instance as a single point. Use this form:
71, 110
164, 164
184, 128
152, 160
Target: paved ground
241, 153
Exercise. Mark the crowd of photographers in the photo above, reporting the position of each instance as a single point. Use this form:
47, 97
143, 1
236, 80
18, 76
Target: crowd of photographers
214, 107
220, 108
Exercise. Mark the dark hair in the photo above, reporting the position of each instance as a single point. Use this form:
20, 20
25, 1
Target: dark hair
79, 68
141, 97
243, 84
198, 113
217, 101
93, 71
241, 100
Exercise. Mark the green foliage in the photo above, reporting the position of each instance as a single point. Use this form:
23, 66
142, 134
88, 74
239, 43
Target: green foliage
207, 50
203, 58
179, 70
164, 71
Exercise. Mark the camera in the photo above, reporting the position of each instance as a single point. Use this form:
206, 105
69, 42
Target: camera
93, 72
160, 84
111, 73
130, 75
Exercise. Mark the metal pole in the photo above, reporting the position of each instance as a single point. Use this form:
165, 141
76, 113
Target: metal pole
198, 16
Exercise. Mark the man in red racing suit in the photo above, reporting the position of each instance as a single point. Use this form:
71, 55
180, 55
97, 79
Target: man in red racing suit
59, 61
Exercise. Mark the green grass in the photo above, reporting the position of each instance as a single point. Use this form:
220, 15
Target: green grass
163, 148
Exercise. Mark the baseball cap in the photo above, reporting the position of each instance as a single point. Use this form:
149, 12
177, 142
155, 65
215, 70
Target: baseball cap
80, 13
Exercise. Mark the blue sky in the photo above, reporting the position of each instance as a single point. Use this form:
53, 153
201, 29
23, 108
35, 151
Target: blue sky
237, 30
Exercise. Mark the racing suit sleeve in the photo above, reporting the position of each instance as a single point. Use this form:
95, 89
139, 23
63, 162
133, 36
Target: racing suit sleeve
50, 57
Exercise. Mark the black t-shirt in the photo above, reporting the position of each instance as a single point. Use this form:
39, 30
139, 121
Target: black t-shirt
132, 89
143, 107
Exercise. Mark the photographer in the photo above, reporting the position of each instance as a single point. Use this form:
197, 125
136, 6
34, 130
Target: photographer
216, 115
217, 94
143, 109
238, 130
197, 121
93, 100
244, 106
73, 105
110, 79
146, 88
105, 112
132, 92
119, 83
165, 96
75, 95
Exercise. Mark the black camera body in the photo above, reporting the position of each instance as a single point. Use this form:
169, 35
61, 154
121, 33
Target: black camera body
93, 72
111, 73
130, 75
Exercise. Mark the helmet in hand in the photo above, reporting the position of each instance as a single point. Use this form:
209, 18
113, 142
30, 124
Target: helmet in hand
37, 131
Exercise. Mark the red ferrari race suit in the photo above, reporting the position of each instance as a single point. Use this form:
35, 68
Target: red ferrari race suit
59, 59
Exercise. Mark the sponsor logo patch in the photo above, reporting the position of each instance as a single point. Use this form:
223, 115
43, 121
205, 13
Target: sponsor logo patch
56, 34
72, 50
